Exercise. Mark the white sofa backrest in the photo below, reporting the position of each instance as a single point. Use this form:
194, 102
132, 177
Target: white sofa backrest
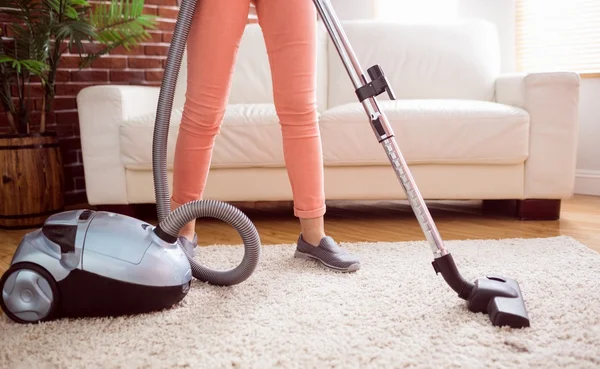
455, 60
422, 61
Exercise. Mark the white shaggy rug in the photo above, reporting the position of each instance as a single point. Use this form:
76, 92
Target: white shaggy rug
394, 313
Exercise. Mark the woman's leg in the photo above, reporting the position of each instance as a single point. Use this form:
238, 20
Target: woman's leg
290, 31
212, 48
289, 28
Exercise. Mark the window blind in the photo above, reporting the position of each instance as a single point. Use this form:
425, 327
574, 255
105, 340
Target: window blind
558, 35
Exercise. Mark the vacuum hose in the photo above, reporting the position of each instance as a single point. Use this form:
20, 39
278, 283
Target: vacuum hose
170, 223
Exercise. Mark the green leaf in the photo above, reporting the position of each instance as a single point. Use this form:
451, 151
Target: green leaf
80, 3
71, 12
34, 67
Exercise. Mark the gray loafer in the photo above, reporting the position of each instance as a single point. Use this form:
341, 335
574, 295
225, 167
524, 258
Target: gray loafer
328, 253
190, 247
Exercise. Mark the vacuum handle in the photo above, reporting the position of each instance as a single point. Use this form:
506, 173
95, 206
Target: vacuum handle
377, 74
367, 92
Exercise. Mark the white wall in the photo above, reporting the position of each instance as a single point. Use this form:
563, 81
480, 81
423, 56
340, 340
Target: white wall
588, 156
501, 13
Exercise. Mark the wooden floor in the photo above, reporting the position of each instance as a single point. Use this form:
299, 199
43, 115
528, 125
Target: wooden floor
385, 221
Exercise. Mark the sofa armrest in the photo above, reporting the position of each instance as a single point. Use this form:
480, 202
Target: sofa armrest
102, 109
552, 101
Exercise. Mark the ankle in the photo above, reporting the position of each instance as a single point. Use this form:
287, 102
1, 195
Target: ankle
313, 238
188, 235
312, 230
189, 230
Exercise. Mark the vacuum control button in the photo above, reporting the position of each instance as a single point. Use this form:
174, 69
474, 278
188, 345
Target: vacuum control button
85, 215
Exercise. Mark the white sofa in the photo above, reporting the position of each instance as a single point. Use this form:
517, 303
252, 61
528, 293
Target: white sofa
468, 131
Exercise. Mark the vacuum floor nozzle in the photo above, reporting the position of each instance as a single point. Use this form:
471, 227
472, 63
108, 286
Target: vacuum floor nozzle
501, 299
497, 296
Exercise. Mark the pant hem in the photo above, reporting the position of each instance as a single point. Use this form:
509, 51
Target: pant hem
310, 213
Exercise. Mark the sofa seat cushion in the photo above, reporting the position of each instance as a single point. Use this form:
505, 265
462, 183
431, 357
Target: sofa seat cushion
250, 136
428, 132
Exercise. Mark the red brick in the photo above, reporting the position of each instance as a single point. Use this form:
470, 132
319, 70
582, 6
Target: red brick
76, 197
167, 36
150, 9
29, 103
144, 63
67, 117
50, 118
89, 75
168, 12
121, 50
35, 117
69, 61
72, 88
126, 76
9, 33
64, 103
88, 48
7, 18
111, 62
38, 103
34, 90
154, 75
156, 36
69, 157
70, 144
161, 2
79, 182
165, 25
6, 43
3, 120
63, 75
73, 170
161, 49
69, 184
66, 130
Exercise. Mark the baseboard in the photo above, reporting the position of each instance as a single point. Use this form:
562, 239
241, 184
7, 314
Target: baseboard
587, 182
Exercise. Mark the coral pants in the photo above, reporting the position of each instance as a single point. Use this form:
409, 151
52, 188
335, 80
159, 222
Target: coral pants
289, 28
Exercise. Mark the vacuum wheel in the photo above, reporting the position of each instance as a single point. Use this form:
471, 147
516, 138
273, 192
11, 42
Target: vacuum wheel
29, 294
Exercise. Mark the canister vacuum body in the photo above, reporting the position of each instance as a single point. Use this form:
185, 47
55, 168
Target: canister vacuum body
87, 263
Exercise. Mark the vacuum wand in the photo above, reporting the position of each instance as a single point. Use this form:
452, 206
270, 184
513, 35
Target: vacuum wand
499, 297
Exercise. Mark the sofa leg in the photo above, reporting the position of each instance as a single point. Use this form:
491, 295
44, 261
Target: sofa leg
528, 209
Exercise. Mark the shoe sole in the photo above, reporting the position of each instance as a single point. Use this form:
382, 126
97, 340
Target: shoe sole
302, 255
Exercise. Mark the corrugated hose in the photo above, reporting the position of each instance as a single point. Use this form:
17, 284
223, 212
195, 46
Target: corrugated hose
170, 223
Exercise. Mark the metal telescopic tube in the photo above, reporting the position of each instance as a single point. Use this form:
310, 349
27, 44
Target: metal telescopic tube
390, 146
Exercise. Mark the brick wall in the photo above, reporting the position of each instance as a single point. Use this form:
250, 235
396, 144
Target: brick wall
140, 66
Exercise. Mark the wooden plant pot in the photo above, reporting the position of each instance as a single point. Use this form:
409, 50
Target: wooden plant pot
32, 179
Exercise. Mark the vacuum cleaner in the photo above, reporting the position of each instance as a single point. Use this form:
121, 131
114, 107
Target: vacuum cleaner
89, 263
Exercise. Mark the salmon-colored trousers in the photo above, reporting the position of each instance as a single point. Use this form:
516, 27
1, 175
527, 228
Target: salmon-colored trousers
289, 28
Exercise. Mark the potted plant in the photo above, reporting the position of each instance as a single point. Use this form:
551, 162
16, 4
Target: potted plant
32, 184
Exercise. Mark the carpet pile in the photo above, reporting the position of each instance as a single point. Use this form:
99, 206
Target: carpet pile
394, 313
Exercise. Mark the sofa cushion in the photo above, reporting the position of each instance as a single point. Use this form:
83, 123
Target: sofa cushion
250, 136
454, 60
427, 132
